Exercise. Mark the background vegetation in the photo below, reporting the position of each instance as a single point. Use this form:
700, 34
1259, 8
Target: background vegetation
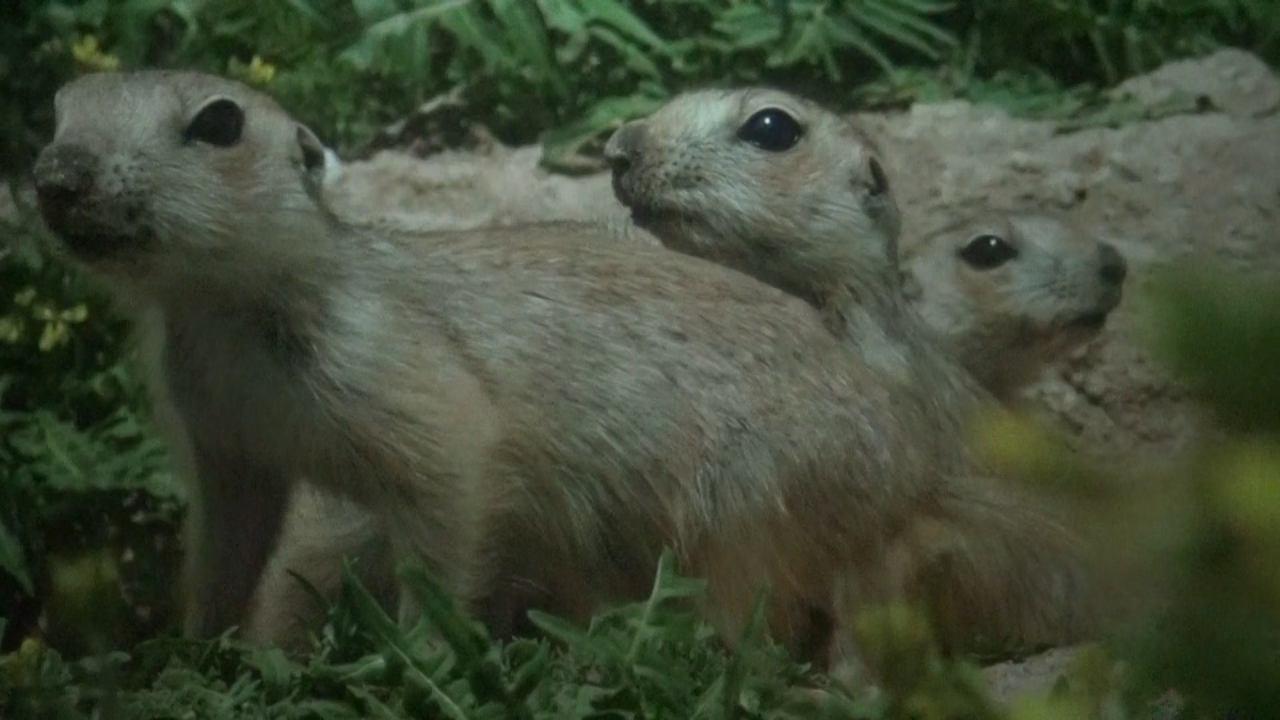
88, 505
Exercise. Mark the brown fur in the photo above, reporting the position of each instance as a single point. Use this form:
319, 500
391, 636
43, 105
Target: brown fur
532, 412
322, 531
817, 219
1005, 323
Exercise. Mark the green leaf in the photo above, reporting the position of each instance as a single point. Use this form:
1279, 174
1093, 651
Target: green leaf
373, 42
564, 16
372, 11
276, 669
466, 637
735, 674
475, 33
847, 33
531, 672
607, 114
314, 16
13, 561
384, 628
906, 29
617, 16
562, 630
524, 27
748, 26
803, 43
372, 705
634, 58
667, 585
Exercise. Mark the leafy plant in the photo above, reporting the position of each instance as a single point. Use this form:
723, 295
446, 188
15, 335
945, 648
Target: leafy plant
82, 467
1190, 546
574, 68
1105, 41
650, 659
524, 67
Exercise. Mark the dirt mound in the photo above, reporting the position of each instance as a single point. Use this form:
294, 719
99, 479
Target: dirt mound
1200, 184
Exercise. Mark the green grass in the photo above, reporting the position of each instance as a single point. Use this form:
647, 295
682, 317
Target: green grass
568, 70
650, 659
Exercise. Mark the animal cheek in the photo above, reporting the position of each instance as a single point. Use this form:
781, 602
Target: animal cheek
115, 179
679, 177
1039, 313
978, 286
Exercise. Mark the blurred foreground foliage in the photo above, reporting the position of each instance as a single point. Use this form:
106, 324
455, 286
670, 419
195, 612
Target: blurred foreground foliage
88, 505
83, 476
1192, 544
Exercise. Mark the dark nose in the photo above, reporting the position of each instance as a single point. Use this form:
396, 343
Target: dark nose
63, 175
624, 147
1114, 268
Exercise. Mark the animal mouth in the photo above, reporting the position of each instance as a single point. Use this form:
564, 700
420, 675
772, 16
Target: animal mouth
633, 191
623, 185
85, 236
655, 212
90, 246
658, 220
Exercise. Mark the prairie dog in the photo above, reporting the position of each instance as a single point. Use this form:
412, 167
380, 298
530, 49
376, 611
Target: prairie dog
195, 199
783, 190
1004, 291
532, 412
1008, 292
321, 532
787, 192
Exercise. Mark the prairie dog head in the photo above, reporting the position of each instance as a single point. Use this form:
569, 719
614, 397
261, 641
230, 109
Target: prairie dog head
1011, 292
162, 178
762, 181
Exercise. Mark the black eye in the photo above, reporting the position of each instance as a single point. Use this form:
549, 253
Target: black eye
987, 251
220, 123
771, 129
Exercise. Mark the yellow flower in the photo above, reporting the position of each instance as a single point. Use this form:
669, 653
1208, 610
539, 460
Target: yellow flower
90, 56
259, 72
55, 334
23, 666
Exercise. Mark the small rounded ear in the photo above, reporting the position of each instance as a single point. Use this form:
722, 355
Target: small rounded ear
312, 150
879, 201
313, 160
219, 122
